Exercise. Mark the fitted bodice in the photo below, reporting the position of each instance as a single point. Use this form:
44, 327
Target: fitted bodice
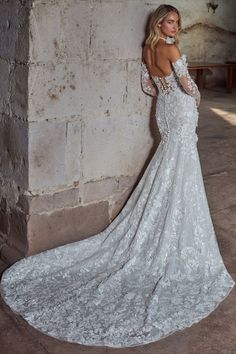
176, 111
179, 79
167, 84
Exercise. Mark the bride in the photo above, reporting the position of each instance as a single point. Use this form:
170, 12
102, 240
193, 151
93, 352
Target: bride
156, 268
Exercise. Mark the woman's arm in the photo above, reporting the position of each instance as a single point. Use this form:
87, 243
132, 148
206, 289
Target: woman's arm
179, 65
146, 81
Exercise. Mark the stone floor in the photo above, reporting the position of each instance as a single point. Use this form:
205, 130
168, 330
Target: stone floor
216, 334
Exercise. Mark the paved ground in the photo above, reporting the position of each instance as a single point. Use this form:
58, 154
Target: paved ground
215, 334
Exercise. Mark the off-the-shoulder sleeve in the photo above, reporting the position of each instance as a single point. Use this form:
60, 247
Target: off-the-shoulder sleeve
181, 70
146, 81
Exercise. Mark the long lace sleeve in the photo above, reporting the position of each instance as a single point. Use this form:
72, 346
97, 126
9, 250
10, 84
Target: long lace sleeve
181, 70
146, 81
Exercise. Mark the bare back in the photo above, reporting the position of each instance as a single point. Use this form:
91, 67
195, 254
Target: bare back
158, 62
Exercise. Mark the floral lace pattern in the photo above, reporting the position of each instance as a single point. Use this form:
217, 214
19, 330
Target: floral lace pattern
179, 77
154, 270
181, 71
146, 81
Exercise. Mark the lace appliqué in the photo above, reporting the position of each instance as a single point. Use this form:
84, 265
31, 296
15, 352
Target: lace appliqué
181, 71
146, 81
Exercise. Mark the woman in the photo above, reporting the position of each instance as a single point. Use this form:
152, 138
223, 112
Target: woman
157, 267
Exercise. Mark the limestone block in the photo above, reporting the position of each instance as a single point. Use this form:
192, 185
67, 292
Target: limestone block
99, 190
19, 91
22, 26
126, 185
74, 88
22, 202
76, 29
111, 188
103, 88
115, 33
8, 35
114, 147
125, 182
5, 86
18, 230
118, 202
51, 202
14, 151
9, 191
45, 32
73, 151
54, 161
14, 29
47, 141
66, 225
54, 91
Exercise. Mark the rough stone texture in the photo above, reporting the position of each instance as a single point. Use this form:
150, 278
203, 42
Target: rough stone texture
10, 254
99, 190
54, 89
4, 218
14, 150
3, 266
108, 150
73, 118
18, 230
47, 202
118, 201
46, 155
115, 190
14, 49
65, 225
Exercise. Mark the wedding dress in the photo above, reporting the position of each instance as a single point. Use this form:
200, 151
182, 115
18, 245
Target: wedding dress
156, 268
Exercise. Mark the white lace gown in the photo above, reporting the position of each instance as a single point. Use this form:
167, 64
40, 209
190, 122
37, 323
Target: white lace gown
156, 268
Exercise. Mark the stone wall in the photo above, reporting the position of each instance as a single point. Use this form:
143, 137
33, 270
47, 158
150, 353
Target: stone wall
14, 49
76, 129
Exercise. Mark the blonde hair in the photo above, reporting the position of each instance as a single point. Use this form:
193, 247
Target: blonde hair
157, 17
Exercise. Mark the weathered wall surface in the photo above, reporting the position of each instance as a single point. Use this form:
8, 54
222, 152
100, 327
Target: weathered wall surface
14, 49
208, 36
88, 119
79, 121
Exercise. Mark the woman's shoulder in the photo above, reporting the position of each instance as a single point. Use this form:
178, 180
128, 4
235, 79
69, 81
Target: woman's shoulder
170, 51
173, 52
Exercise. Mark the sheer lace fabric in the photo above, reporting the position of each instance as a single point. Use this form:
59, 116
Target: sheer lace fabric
180, 68
146, 81
180, 75
154, 270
